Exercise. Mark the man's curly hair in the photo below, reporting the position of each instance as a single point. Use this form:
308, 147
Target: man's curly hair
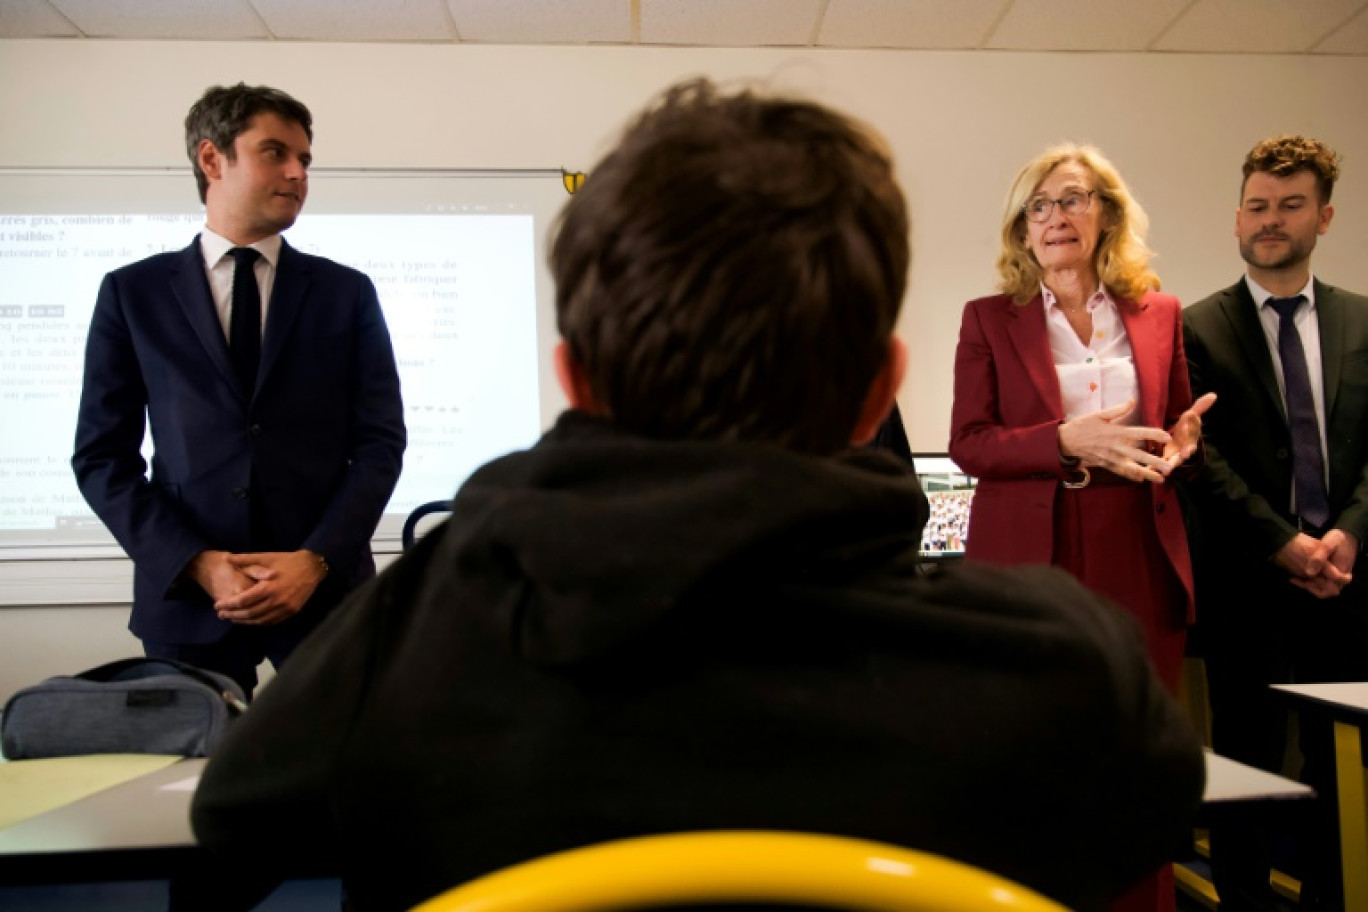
1283, 156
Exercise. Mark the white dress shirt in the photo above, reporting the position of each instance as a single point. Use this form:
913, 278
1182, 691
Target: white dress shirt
219, 267
1096, 375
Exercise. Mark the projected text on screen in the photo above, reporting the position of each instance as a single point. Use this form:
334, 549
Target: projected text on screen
458, 285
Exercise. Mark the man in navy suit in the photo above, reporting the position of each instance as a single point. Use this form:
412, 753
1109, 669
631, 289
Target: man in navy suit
277, 441
1282, 500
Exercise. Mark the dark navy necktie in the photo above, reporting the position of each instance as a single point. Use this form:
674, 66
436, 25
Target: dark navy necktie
244, 326
1308, 472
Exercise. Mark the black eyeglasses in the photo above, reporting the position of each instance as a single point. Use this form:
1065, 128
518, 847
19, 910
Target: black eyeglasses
1075, 202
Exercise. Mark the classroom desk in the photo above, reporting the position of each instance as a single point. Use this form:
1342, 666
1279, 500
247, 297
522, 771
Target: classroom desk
1234, 793
1230, 782
1346, 705
137, 830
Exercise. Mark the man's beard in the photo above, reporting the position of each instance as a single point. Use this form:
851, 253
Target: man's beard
1295, 252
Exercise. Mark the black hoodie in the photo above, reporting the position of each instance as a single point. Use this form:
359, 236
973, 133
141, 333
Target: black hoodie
614, 636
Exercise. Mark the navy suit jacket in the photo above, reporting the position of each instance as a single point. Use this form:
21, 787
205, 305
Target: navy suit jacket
321, 437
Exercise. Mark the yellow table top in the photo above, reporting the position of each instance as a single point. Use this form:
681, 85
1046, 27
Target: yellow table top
31, 787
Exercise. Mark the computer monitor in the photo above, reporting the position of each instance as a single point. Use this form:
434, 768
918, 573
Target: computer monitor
950, 492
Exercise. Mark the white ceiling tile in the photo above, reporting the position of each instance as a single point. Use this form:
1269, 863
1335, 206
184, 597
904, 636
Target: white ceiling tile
33, 19
196, 19
357, 20
728, 23
1083, 25
1351, 38
543, 21
909, 23
1256, 26
1191, 26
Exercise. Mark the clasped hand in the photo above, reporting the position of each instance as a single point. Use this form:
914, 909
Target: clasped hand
261, 588
1321, 566
1102, 440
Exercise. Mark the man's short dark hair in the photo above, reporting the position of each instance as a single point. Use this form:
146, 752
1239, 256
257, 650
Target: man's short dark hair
225, 112
734, 270
1284, 156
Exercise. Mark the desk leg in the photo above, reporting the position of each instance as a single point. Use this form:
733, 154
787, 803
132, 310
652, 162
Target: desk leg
1353, 811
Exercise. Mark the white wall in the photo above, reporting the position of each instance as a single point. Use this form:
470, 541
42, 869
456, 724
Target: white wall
961, 124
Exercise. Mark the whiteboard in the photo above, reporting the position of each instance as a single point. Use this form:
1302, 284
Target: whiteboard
458, 259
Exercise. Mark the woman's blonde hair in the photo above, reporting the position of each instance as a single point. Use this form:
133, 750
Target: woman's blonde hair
1122, 257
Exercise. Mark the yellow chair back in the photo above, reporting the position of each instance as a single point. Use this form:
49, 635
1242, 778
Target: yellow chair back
741, 866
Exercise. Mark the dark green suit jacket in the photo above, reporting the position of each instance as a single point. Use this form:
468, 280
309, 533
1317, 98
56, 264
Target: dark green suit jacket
1245, 490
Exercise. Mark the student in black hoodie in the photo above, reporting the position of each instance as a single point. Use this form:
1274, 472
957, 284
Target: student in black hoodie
695, 603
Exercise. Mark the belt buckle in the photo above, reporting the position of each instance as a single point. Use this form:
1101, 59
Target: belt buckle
1081, 477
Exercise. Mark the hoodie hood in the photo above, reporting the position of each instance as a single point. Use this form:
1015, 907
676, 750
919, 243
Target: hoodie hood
602, 533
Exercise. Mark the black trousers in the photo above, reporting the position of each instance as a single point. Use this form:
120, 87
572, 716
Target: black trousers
236, 655
1273, 633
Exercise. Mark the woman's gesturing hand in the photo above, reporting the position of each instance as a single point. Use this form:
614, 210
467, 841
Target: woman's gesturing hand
1186, 432
1100, 440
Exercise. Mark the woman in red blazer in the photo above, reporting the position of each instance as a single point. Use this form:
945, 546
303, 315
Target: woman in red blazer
1064, 384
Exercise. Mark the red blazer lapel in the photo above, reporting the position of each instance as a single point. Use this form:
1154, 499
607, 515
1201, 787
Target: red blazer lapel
1026, 329
1149, 351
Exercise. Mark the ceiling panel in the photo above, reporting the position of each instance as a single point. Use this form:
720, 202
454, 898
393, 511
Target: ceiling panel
33, 19
1351, 38
1257, 26
909, 23
1084, 25
728, 23
543, 21
203, 19
1195, 26
357, 20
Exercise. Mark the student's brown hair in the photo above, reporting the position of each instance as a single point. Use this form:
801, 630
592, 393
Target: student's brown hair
734, 270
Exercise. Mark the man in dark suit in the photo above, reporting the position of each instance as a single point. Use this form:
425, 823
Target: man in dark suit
1283, 500
270, 385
